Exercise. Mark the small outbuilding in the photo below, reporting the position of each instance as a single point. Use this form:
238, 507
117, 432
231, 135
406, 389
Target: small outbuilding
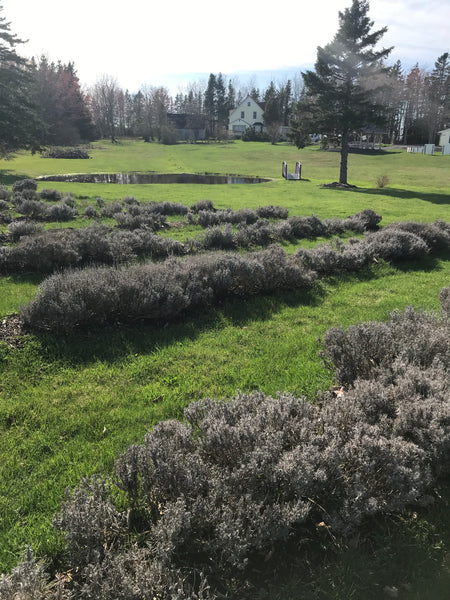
444, 137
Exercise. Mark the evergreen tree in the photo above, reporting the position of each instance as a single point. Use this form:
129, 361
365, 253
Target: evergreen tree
348, 74
62, 105
438, 96
20, 126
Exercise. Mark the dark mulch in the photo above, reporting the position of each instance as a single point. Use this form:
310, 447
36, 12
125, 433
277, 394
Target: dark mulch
339, 186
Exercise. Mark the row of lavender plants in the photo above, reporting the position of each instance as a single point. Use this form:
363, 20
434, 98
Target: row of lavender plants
35, 250
176, 286
204, 501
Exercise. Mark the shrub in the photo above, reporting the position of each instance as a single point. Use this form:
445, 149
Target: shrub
91, 212
307, 227
366, 220
110, 210
57, 152
49, 194
202, 205
417, 338
444, 299
435, 235
129, 200
33, 209
18, 229
61, 212
158, 291
382, 181
219, 238
5, 194
4, 205
272, 212
24, 184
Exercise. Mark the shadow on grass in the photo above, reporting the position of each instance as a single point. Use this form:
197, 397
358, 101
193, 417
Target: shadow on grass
9, 177
404, 194
112, 342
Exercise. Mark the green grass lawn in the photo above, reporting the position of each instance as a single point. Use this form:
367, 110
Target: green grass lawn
70, 404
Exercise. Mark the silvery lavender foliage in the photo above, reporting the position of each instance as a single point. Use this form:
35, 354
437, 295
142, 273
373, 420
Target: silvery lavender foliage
436, 235
18, 229
444, 299
29, 581
136, 575
366, 220
90, 522
417, 338
272, 212
24, 184
159, 290
98, 244
50, 194
202, 205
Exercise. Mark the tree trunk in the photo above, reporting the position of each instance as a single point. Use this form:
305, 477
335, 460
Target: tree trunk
344, 158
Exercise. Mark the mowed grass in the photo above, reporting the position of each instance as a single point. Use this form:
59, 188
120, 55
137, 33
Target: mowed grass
69, 405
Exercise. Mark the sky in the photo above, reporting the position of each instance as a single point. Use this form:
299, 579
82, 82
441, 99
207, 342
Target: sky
176, 42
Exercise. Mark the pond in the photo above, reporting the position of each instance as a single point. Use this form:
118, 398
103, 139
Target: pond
152, 177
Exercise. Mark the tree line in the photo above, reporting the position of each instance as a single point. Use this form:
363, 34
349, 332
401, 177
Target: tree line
43, 103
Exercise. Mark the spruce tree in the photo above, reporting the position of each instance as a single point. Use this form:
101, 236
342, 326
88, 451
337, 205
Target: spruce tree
349, 73
20, 126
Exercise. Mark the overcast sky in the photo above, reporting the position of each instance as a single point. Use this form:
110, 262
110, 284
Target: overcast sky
172, 42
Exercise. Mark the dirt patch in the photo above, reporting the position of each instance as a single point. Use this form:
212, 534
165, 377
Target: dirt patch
12, 331
339, 186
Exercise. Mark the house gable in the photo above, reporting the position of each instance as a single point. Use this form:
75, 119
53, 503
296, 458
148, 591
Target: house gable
249, 113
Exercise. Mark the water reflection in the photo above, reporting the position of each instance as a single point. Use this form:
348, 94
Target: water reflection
150, 177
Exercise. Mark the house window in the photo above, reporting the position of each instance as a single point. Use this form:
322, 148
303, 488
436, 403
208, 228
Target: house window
242, 114
249, 103
254, 114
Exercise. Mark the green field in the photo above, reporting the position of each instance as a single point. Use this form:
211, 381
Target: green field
69, 405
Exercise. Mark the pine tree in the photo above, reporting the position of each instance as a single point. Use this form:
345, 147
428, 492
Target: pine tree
20, 126
438, 96
348, 74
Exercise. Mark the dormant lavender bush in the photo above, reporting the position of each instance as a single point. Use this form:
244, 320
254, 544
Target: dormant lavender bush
24, 184
415, 337
272, 212
61, 212
110, 210
92, 525
4, 205
444, 299
202, 205
18, 229
5, 193
50, 194
91, 212
29, 581
33, 209
366, 220
436, 235
158, 291
239, 477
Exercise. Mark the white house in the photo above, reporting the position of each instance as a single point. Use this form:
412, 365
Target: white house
249, 113
444, 136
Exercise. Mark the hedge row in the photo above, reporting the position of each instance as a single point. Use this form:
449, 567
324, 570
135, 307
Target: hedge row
204, 500
53, 250
101, 295
95, 296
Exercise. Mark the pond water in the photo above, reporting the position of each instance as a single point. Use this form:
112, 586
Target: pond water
151, 177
